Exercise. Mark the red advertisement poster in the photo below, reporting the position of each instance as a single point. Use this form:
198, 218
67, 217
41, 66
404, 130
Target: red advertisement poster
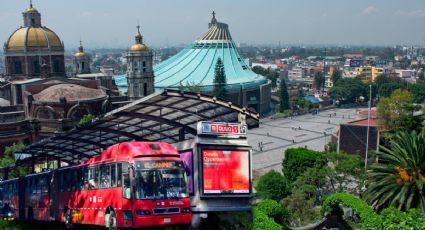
225, 171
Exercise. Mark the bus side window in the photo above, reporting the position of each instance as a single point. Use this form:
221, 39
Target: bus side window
119, 175
105, 176
126, 188
93, 175
85, 178
113, 175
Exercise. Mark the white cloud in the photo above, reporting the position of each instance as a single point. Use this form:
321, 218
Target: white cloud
369, 10
411, 13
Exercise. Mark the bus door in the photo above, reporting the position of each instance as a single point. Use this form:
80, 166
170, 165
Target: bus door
54, 197
127, 194
21, 197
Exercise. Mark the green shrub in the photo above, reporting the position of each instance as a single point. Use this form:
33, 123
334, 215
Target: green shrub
369, 219
272, 209
272, 185
263, 222
394, 219
86, 119
297, 160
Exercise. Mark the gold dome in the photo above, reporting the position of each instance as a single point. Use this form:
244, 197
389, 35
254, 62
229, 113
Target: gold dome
138, 47
33, 37
80, 54
31, 9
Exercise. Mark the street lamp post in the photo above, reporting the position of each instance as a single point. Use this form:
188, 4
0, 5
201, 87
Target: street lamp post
368, 126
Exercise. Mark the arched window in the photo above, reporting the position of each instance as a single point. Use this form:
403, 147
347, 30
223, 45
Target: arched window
82, 66
145, 89
56, 66
36, 66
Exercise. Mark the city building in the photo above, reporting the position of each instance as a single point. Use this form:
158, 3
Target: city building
369, 73
33, 50
194, 66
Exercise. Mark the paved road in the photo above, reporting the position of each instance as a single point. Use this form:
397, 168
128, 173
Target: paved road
308, 130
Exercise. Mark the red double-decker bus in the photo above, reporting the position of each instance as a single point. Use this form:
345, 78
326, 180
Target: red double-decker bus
131, 184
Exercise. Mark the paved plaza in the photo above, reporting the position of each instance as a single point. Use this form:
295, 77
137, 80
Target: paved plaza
270, 140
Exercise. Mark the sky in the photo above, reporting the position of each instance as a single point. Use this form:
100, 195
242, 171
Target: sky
112, 23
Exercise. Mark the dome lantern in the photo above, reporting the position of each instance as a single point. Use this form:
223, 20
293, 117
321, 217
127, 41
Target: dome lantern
139, 46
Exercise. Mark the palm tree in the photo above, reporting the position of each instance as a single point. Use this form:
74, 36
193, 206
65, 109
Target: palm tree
398, 180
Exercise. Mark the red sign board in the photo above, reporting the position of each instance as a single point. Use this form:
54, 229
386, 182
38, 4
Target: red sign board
225, 172
211, 128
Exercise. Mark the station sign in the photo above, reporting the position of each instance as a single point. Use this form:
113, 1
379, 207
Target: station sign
220, 128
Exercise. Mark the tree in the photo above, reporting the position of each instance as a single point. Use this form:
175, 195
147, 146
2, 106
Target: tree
386, 89
297, 160
219, 90
283, 96
272, 185
8, 159
348, 90
336, 75
270, 74
398, 179
319, 80
396, 112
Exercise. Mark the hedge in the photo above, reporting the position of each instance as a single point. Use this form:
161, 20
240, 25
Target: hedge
263, 222
368, 218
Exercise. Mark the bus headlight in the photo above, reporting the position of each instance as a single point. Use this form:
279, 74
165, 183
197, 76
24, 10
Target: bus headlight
186, 210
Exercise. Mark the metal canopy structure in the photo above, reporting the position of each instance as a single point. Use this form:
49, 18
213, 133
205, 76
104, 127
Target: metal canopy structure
169, 116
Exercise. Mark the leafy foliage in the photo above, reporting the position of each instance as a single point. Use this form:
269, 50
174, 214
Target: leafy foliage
272, 185
394, 219
390, 218
386, 89
270, 74
283, 96
86, 119
336, 75
301, 209
369, 219
297, 160
353, 88
272, 209
219, 90
8, 159
396, 112
262, 221
399, 181
418, 91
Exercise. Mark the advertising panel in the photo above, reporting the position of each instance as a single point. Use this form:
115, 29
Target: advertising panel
356, 63
225, 172
187, 158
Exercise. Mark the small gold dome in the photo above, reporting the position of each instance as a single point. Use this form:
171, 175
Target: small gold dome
138, 47
31, 9
33, 37
80, 54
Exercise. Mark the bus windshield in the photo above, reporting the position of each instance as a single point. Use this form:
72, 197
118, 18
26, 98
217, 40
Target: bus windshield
160, 184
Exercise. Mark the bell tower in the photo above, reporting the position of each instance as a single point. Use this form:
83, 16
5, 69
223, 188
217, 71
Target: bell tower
81, 61
140, 77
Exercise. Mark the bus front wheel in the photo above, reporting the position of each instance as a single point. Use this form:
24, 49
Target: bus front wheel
68, 219
111, 220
